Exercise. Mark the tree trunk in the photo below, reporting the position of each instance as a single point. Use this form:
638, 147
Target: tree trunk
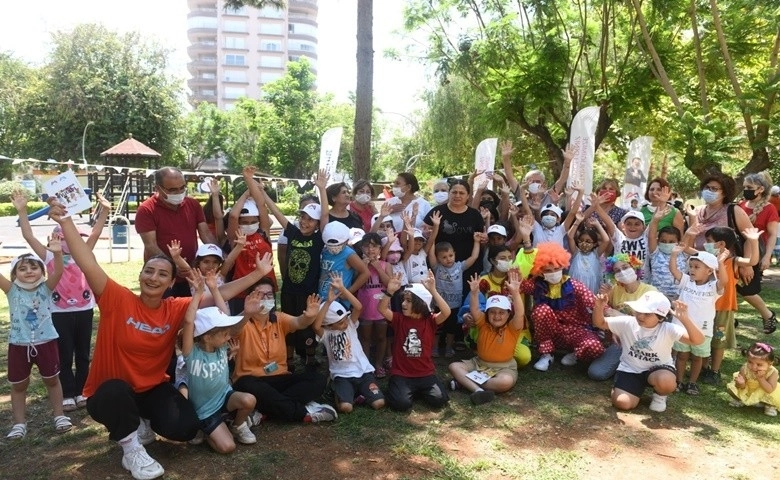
364, 89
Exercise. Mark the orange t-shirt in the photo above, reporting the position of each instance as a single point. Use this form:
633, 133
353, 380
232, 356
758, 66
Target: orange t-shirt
496, 346
728, 301
134, 342
261, 346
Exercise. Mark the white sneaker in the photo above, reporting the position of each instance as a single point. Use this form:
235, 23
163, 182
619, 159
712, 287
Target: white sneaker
319, 412
544, 362
770, 410
569, 360
243, 434
141, 465
658, 403
254, 419
145, 433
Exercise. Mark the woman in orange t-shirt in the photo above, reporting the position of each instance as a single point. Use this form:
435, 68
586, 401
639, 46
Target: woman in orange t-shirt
128, 390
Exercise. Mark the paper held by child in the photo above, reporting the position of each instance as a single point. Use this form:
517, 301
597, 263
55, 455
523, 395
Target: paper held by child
481, 376
69, 192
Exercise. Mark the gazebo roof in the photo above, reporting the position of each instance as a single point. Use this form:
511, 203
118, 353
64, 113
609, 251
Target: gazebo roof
130, 148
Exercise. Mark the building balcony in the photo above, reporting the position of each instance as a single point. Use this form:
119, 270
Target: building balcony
202, 82
196, 49
307, 5
301, 36
202, 12
194, 32
194, 4
304, 53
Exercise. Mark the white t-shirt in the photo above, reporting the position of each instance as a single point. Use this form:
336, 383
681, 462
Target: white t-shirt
345, 354
644, 348
701, 302
416, 267
422, 210
542, 235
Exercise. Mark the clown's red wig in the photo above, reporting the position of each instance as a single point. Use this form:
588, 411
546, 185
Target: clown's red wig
550, 254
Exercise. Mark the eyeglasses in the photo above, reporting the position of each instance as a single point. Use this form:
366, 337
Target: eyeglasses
713, 188
175, 190
266, 295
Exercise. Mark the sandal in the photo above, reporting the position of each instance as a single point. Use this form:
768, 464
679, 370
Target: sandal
62, 424
81, 401
770, 324
68, 405
18, 431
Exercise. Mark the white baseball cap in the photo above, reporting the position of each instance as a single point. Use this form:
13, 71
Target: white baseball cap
551, 207
25, 256
651, 302
335, 233
418, 233
355, 235
212, 317
497, 229
775, 190
249, 209
336, 312
633, 214
421, 292
708, 259
313, 210
498, 301
209, 249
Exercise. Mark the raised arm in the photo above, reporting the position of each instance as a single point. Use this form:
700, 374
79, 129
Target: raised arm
513, 286
384, 303
104, 208
506, 160
257, 192
606, 220
174, 249
568, 155
692, 335
55, 247
337, 284
238, 246
217, 212
575, 206
361, 269
234, 214
597, 316
274, 208
673, 269
188, 327
19, 201
478, 237
476, 313
436, 220
310, 314
321, 182
210, 278
318, 319
429, 283
80, 251
262, 267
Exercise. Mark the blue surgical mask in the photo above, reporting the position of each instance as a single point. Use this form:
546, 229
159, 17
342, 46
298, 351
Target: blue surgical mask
709, 196
666, 248
710, 248
549, 221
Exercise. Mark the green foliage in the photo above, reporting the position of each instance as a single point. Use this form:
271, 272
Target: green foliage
204, 134
7, 187
7, 209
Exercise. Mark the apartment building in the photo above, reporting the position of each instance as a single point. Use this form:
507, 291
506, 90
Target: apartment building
233, 53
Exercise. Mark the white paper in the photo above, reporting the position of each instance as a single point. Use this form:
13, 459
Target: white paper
69, 192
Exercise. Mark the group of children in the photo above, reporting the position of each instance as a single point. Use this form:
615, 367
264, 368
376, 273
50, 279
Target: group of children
393, 292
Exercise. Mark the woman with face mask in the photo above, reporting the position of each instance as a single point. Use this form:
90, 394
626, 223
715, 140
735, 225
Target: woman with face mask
405, 199
561, 310
609, 193
362, 203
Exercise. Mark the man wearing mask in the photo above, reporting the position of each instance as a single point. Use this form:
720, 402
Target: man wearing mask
170, 215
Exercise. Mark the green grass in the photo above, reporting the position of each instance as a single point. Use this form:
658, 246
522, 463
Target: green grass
553, 425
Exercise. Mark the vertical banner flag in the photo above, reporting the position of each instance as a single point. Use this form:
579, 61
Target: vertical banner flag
485, 161
329, 151
637, 169
583, 141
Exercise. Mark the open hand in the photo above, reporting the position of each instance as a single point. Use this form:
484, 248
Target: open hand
174, 248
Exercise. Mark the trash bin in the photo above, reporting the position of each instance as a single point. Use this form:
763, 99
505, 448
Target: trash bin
119, 232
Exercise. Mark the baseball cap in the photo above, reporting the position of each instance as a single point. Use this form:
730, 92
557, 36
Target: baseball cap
212, 317
633, 214
418, 233
420, 292
498, 301
497, 229
249, 209
336, 312
25, 256
335, 233
58, 229
387, 218
374, 218
209, 249
651, 302
775, 190
355, 235
551, 207
708, 259
313, 210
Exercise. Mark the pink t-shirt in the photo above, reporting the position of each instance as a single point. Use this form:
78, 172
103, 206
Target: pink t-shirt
370, 294
72, 293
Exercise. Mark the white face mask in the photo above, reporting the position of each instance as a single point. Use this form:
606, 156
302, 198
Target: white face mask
249, 229
533, 188
267, 305
335, 249
554, 277
626, 276
441, 197
549, 221
362, 198
503, 265
175, 199
398, 192
29, 285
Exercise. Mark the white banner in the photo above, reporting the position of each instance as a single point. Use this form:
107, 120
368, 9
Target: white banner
637, 169
485, 161
583, 141
329, 151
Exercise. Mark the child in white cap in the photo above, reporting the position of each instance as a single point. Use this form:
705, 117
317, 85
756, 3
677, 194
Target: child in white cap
413, 371
337, 256
350, 370
208, 258
699, 289
205, 336
646, 341
499, 330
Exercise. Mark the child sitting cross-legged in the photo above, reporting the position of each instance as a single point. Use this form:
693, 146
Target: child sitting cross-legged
350, 370
205, 336
499, 331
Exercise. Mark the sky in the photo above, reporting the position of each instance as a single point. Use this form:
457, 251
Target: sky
25, 31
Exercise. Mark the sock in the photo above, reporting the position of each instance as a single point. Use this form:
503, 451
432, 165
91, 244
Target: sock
130, 443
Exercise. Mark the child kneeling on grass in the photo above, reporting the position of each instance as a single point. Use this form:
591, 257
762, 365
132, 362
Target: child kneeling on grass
205, 336
646, 340
350, 369
498, 333
413, 372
